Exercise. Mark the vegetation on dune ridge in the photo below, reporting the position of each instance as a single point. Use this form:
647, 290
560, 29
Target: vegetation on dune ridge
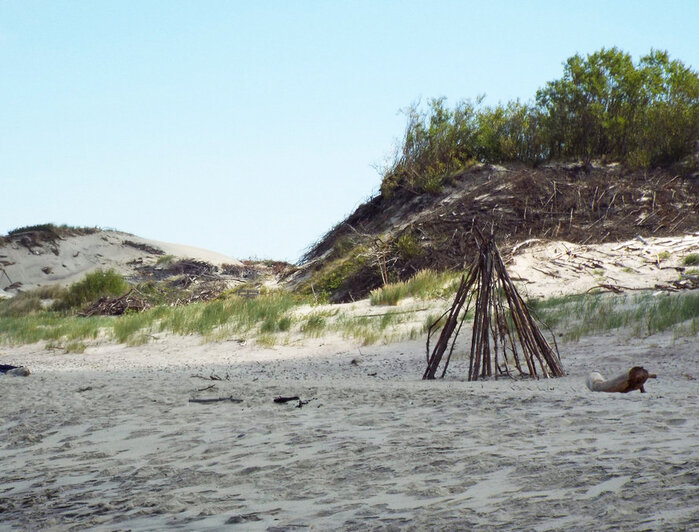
50, 230
280, 317
604, 106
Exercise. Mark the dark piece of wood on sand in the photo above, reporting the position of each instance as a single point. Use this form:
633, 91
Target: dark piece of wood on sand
283, 399
504, 331
216, 400
301, 402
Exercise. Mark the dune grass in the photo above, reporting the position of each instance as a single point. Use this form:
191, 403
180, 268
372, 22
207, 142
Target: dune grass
426, 284
644, 314
46, 326
278, 317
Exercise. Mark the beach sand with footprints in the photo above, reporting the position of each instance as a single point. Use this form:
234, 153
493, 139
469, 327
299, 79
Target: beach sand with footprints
110, 440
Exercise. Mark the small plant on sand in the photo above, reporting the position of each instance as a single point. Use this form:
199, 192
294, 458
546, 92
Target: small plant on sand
408, 247
95, 285
691, 260
75, 347
165, 260
314, 324
424, 285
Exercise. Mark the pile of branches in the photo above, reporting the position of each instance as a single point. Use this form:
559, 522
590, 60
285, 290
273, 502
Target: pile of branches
207, 291
116, 306
189, 268
504, 331
575, 203
143, 247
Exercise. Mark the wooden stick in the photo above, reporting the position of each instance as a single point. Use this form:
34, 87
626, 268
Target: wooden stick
215, 400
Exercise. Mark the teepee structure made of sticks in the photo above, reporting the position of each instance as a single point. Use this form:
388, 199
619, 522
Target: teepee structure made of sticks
505, 338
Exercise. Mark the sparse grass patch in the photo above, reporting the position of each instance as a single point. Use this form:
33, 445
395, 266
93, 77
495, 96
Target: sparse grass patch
425, 284
50, 326
691, 260
334, 275
314, 325
408, 247
266, 340
75, 347
130, 326
238, 314
165, 260
643, 314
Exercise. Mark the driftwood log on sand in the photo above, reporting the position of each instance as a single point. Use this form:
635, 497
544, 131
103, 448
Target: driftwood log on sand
634, 379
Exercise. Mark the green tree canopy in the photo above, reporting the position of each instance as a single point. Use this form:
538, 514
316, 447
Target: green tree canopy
604, 105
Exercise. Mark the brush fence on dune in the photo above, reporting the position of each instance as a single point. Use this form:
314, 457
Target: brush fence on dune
505, 335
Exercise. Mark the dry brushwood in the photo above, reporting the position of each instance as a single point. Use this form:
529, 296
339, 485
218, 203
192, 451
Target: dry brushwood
504, 331
116, 306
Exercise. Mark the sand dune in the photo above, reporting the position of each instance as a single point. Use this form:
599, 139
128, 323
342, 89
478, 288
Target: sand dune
554, 268
69, 259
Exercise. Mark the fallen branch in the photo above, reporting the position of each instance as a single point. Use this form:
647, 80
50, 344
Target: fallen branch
216, 400
301, 402
391, 313
212, 377
282, 399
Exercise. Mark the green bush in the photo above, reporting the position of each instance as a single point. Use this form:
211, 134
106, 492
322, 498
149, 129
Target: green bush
94, 286
408, 247
691, 260
604, 106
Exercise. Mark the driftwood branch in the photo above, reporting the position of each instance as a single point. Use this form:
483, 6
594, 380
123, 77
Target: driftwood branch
216, 400
627, 382
301, 402
282, 399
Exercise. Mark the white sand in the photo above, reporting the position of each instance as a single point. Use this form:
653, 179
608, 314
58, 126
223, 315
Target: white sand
108, 440
552, 268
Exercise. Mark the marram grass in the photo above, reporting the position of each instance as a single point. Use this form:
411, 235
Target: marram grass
275, 318
426, 284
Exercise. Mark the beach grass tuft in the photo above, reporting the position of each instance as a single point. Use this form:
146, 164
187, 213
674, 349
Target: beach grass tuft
644, 314
426, 284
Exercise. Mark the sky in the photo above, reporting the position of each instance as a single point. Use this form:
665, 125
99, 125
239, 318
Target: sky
252, 128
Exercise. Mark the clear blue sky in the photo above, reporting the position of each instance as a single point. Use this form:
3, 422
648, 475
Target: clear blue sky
251, 128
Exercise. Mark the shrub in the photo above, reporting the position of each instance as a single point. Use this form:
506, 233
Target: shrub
604, 106
691, 260
408, 247
95, 285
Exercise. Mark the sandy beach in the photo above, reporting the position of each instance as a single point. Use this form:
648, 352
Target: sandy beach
108, 440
